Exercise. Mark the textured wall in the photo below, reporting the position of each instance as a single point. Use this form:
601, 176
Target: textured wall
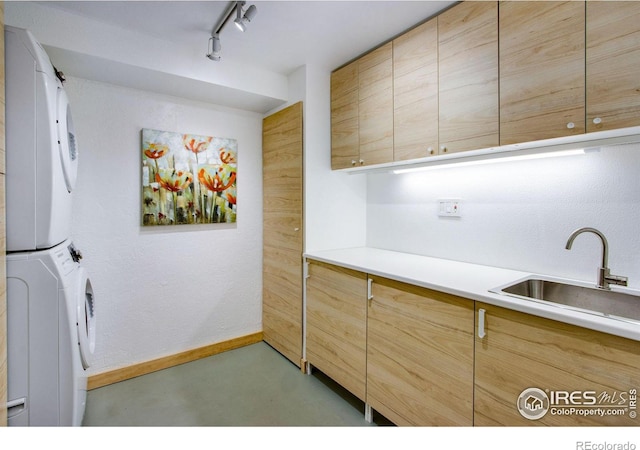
161, 290
517, 215
3, 291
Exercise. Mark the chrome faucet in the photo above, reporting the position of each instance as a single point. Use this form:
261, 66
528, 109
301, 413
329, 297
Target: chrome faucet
604, 276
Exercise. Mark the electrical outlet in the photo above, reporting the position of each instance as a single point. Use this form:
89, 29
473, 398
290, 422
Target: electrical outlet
449, 207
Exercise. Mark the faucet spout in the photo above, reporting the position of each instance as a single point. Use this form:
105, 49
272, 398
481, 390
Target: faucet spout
605, 244
604, 276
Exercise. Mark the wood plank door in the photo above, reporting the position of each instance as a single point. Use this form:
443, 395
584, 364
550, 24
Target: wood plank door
468, 77
613, 63
542, 70
282, 144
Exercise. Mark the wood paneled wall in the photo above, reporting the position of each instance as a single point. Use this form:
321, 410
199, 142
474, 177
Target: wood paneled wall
3, 280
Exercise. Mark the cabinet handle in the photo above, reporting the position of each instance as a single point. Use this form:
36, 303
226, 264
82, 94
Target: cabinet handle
443, 148
362, 162
369, 289
597, 120
430, 150
571, 125
481, 330
353, 162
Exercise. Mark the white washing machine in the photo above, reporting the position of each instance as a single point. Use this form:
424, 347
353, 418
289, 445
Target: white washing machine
51, 337
41, 150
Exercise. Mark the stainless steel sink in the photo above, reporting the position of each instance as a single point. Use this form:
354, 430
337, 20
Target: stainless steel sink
614, 304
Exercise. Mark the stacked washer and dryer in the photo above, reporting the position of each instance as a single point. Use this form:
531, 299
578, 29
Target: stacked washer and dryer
50, 303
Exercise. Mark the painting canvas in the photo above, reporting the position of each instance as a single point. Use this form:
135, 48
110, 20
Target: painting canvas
188, 178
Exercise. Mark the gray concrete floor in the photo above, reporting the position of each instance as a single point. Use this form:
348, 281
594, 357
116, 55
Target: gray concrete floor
250, 386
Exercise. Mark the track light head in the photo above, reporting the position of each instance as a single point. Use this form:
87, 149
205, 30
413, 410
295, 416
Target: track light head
251, 13
239, 20
242, 20
214, 48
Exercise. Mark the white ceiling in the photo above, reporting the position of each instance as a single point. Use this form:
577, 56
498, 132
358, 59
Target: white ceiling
283, 36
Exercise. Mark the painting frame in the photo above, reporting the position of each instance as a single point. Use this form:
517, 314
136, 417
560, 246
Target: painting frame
187, 179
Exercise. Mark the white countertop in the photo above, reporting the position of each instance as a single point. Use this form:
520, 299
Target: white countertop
472, 281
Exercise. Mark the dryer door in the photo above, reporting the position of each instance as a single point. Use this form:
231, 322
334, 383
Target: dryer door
66, 140
86, 318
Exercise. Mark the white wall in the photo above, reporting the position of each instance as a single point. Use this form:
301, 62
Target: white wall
161, 290
517, 215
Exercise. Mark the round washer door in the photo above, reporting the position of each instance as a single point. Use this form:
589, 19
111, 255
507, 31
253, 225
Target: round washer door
86, 318
66, 140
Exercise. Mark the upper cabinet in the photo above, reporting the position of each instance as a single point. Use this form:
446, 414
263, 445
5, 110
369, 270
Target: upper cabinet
468, 77
415, 92
542, 70
362, 111
613, 59
489, 74
345, 144
375, 106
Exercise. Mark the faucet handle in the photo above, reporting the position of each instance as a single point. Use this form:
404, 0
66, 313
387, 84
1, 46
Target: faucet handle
617, 279
605, 279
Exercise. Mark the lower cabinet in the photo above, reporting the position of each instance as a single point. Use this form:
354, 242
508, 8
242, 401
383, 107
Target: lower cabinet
419, 355
336, 333
425, 358
535, 371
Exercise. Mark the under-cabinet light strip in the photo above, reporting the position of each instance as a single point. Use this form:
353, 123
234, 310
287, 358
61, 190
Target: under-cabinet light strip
478, 162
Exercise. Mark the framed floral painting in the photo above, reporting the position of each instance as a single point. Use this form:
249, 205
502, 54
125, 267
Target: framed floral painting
187, 178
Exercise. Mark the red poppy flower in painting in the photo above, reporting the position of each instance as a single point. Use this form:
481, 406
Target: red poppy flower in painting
174, 180
227, 156
217, 178
155, 151
196, 144
230, 195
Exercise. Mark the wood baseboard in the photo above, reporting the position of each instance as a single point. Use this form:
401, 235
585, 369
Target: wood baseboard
125, 373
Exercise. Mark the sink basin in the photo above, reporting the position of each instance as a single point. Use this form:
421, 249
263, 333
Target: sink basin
614, 304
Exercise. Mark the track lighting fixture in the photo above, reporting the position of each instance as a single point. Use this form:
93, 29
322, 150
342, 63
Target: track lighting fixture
214, 47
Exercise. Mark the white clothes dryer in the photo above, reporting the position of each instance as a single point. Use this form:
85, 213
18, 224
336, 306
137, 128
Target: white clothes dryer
51, 337
41, 150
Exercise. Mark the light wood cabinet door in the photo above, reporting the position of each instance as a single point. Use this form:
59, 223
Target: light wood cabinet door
468, 77
336, 325
375, 106
419, 355
345, 142
415, 92
613, 64
282, 231
520, 351
542, 70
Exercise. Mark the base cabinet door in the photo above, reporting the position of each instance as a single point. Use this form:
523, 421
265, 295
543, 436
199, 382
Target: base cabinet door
536, 371
336, 325
419, 355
